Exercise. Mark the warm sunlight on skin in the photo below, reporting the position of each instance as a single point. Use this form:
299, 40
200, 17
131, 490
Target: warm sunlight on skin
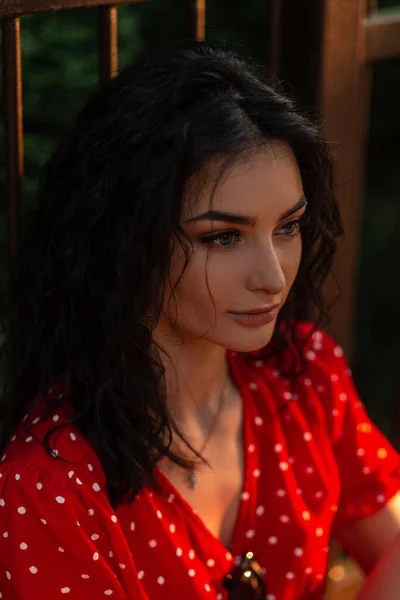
250, 264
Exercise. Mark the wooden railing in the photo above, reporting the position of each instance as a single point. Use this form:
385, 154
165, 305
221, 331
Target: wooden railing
10, 12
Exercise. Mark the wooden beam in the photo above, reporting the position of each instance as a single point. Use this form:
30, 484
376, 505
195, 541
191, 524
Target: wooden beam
14, 8
344, 97
274, 35
383, 36
196, 11
14, 149
108, 43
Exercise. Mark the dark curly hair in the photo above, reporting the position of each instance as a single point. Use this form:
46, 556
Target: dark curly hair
96, 250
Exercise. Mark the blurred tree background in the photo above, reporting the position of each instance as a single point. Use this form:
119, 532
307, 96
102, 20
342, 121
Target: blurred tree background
59, 64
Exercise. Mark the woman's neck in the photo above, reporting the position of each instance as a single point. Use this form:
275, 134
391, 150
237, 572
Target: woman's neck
196, 376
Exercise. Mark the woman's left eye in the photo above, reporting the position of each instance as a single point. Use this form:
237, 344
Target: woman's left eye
291, 229
226, 239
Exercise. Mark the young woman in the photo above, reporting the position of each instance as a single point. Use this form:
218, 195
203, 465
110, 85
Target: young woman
172, 427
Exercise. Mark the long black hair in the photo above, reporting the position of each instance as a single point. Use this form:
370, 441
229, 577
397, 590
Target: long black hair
96, 251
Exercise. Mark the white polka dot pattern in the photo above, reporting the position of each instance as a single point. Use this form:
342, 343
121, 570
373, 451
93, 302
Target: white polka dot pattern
68, 541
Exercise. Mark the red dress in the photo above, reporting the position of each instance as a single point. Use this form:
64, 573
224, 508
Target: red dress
316, 465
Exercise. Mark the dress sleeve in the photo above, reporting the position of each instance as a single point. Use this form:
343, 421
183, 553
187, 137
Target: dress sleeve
56, 543
369, 467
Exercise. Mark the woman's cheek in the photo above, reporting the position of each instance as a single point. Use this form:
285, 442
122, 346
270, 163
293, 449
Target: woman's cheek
289, 253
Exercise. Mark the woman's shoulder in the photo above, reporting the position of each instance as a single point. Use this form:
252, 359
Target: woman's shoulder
49, 450
315, 339
312, 370
57, 524
310, 351
320, 351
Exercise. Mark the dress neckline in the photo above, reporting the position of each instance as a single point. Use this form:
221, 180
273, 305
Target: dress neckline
170, 488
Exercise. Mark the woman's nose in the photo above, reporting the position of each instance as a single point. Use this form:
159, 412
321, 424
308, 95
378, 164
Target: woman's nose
266, 271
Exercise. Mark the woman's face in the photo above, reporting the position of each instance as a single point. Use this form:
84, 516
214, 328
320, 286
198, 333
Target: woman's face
246, 253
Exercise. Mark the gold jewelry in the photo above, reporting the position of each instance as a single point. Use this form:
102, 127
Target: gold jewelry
192, 477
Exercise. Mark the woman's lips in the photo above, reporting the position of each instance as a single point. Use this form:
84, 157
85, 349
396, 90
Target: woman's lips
257, 317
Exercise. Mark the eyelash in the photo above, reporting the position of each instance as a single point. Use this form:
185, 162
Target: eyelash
212, 239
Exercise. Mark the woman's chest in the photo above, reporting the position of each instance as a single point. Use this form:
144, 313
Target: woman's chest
283, 497
213, 491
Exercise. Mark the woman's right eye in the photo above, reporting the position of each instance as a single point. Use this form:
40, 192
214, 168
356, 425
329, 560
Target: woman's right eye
225, 239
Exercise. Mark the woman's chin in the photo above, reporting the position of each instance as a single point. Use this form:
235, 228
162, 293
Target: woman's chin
253, 340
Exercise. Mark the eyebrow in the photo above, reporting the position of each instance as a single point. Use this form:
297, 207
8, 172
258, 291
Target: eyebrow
226, 217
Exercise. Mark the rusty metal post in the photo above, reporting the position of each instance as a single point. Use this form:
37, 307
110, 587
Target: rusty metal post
14, 159
344, 102
274, 35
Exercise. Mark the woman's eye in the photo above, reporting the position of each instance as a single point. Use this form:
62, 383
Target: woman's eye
291, 229
224, 240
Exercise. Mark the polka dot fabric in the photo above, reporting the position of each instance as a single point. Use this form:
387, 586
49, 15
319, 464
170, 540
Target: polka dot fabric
313, 462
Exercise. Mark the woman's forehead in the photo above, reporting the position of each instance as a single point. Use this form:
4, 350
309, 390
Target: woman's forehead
264, 184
